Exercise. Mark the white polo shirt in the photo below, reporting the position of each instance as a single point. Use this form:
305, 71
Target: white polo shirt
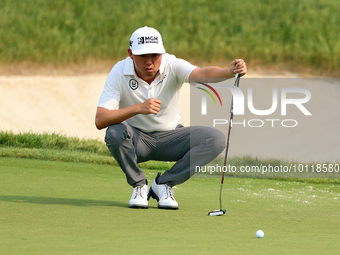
124, 88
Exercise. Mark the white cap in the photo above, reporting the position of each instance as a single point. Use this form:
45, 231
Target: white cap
146, 40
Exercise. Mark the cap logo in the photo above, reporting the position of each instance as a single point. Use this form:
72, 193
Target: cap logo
133, 84
147, 39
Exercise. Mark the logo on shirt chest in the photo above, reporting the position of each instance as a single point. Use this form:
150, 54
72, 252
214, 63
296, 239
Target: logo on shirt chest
161, 81
133, 84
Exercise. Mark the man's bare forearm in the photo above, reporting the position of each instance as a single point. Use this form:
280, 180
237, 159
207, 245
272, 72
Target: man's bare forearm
105, 117
217, 74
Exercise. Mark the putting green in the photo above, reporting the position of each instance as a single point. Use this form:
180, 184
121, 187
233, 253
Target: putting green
73, 208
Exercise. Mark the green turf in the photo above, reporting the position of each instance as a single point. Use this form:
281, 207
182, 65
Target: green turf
80, 208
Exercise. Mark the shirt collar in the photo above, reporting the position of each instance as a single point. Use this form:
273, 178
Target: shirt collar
129, 69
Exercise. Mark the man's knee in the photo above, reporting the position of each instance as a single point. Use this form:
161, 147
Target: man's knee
216, 139
117, 134
220, 140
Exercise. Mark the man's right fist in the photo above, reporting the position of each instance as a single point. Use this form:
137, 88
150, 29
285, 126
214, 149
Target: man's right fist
151, 105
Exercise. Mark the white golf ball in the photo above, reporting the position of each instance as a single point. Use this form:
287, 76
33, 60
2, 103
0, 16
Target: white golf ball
259, 234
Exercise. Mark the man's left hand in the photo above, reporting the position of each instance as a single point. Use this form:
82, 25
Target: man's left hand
238, 66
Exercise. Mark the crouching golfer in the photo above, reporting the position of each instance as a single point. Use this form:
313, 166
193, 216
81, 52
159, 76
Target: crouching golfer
140, 108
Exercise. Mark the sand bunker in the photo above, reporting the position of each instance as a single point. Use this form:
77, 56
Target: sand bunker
67, 105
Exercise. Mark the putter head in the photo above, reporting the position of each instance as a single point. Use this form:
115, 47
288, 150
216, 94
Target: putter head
217, 213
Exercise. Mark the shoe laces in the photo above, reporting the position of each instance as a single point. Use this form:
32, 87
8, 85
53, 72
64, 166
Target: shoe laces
138, 191
169, 192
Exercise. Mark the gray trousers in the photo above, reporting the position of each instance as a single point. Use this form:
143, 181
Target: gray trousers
188, 146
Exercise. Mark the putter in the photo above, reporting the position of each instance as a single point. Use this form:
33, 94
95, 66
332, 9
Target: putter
221, 211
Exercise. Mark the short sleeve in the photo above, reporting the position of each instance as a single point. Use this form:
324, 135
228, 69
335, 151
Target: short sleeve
182, 69
110, 96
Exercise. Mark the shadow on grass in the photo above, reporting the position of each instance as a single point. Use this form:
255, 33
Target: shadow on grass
61, 201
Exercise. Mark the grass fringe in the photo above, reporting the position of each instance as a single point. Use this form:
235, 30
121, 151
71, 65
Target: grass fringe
56, 147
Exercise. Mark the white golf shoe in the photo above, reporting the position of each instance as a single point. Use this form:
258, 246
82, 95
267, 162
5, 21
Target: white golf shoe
164, 194
139, 198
